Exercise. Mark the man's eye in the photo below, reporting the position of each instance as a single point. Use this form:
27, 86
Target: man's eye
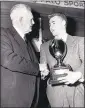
53, 22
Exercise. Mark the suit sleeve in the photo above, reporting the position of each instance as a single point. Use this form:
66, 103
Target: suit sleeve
42, 55
13, 61
81, 55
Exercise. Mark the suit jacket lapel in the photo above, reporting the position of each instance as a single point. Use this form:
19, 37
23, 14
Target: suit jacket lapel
70, 41
21, 43
32, 53
70, 44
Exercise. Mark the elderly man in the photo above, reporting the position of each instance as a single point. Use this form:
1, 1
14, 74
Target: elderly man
19, 66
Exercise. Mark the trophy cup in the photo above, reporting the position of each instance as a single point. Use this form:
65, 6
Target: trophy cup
58, 49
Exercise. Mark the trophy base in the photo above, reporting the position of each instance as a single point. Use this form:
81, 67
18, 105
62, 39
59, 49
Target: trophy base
54, 76
53, 81
63, 66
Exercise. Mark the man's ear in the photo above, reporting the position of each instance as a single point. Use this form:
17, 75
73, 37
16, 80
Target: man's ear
21, 20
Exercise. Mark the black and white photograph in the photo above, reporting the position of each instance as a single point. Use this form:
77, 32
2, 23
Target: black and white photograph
42, 53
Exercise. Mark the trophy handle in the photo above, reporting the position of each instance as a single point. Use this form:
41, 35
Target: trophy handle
69, 67
50, 48
65, 51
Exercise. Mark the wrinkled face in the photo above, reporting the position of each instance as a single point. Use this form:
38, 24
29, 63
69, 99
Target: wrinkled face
56, 26
27, 22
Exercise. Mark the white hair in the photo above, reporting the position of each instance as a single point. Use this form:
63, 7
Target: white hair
18, 11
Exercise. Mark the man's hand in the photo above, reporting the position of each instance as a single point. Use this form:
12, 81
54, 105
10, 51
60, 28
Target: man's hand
44, 70
70, 78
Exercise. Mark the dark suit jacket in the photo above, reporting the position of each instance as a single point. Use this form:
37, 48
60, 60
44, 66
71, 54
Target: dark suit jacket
19, 71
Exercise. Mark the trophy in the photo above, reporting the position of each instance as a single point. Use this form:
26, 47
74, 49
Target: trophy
58, 49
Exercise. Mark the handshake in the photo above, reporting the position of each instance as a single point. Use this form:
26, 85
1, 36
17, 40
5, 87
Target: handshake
43, 70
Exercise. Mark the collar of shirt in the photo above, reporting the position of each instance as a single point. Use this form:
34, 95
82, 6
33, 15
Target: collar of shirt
63, 37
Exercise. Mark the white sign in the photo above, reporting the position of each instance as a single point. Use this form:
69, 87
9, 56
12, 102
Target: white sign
63, 3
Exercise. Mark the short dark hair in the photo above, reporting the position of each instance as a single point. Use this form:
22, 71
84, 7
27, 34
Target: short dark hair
62, 16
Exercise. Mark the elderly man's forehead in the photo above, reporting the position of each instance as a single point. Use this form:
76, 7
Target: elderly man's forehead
20, 8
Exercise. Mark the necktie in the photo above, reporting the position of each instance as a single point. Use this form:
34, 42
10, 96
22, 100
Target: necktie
30, 50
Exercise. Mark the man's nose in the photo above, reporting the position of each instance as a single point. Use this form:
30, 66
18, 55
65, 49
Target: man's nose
51, 28
33, 22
